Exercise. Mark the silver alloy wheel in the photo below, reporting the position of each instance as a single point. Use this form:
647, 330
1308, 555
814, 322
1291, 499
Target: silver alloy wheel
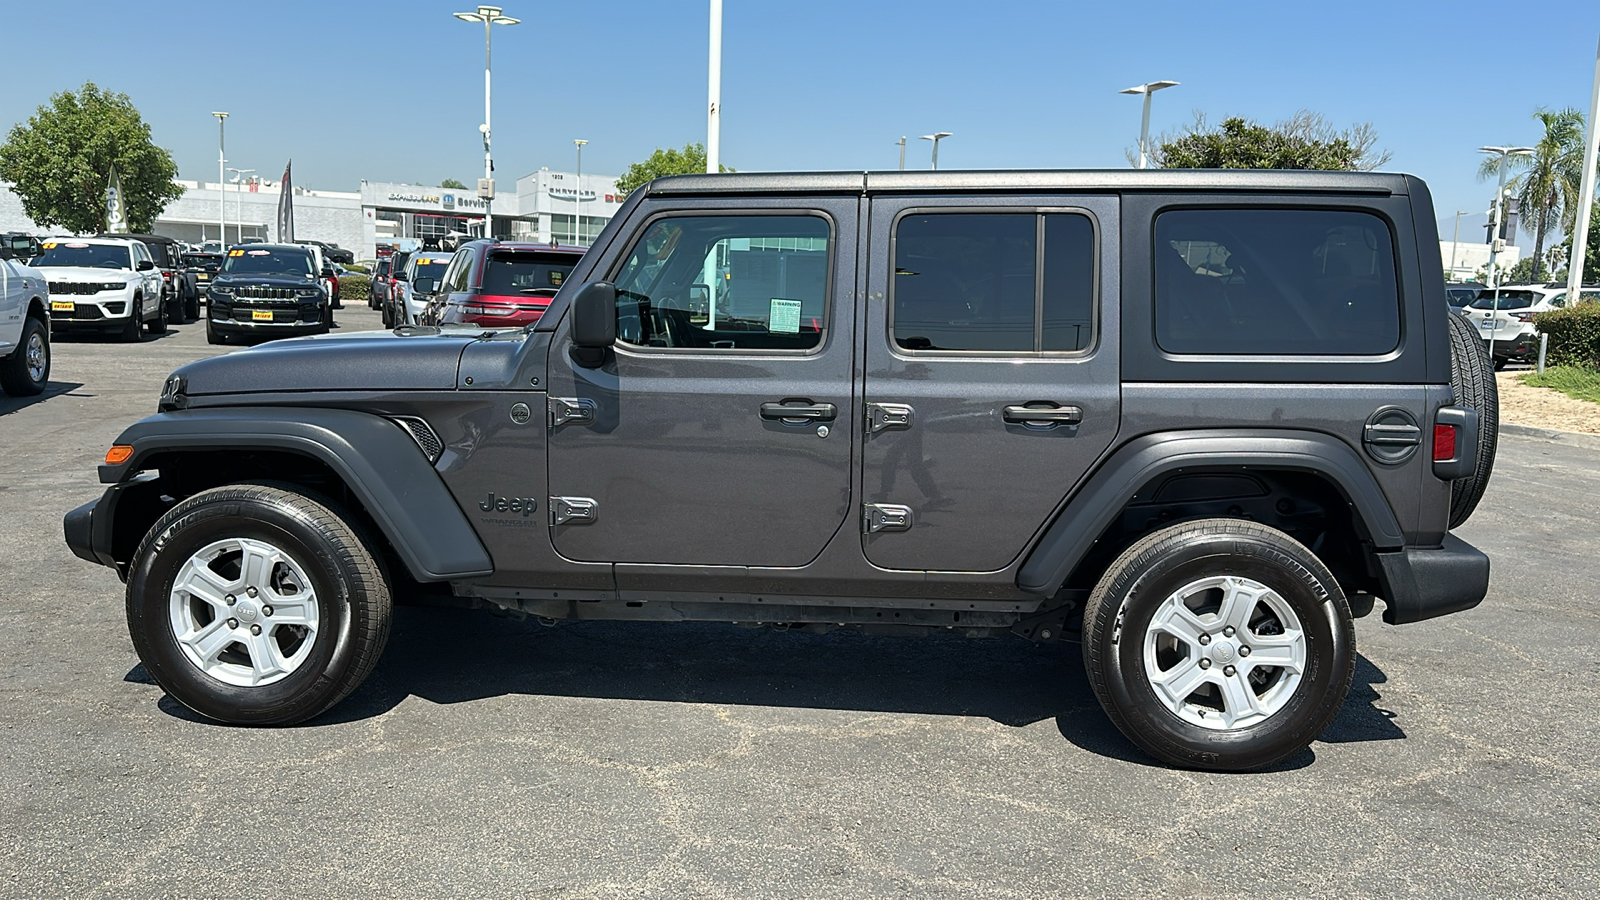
243, 612
1224, 652
37, 357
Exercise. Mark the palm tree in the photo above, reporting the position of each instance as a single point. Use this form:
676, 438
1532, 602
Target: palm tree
1547, 187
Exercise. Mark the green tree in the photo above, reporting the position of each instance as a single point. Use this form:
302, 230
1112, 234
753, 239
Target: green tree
1305, 141
1523, 272
1548, 184
691, 160
1591, 258
452, 184
60, 160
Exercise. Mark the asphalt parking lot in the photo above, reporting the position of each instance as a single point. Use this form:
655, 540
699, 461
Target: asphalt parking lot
493, 757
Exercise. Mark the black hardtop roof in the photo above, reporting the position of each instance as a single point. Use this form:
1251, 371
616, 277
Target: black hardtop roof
1004, 180
146, 238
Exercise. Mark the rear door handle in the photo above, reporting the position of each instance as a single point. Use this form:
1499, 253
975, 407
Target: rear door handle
802, 411
1042, 417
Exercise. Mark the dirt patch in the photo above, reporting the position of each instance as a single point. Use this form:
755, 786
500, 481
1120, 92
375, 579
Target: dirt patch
1544, 408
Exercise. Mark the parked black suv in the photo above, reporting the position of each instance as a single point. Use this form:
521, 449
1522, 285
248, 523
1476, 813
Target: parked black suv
178, 286
267, 291
1197, 420
203, 267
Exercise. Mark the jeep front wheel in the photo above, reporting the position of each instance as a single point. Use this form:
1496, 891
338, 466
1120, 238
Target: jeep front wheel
257, 605
1219, 644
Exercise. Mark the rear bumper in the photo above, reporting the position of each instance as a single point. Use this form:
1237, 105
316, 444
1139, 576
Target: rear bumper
1520, 347
1424, 583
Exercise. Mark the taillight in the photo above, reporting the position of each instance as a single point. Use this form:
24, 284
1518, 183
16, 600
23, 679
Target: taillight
1444, 443
1522, 316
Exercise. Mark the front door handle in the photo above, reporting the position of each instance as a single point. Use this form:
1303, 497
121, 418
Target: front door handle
801, 412
1042, 416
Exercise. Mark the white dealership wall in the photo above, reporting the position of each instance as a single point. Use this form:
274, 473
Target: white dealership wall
1470, 257
349, 218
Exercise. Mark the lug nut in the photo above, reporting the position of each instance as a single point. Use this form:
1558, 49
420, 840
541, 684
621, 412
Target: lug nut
1205, 663
266, 610
256, 629
230, 599
250, 591
1243, 651
233, 623
1226, 632
1205, 639
1226, 670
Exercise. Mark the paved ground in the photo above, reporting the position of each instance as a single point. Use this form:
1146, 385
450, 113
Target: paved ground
489, 757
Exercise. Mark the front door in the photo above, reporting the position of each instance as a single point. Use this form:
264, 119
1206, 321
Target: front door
717, 431
991, 372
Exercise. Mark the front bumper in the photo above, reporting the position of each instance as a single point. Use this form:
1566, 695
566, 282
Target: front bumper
1423, 583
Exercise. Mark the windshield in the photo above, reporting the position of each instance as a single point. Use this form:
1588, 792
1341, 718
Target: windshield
533, 274
1508, 300
94, 256
284, 263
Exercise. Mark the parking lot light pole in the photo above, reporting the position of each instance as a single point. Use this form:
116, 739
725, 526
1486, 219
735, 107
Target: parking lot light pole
222, 178
577, 199
1505, 154
1591, 157
488, 15
902, 143
1454, 242
238, 198
935, 138
1144, 123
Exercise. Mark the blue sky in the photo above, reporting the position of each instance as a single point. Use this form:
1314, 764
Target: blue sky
392, 91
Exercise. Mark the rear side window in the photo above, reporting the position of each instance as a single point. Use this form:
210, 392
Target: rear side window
1013, 283
526, 273
1275, 282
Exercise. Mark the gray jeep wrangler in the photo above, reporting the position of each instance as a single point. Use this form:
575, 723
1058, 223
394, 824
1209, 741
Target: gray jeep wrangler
1198, 421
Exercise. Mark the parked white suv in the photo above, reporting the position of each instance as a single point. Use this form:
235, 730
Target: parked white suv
24, 324
1506, 322
103, 284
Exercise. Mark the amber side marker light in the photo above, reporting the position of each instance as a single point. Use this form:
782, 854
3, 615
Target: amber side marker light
118, 454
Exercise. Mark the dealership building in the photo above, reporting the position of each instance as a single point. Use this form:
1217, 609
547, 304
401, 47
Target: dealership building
544, 207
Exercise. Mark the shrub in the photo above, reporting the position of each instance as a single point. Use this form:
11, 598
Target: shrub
354, 289
1574, 335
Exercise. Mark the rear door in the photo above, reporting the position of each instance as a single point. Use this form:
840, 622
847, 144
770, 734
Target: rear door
717, 433
991, 371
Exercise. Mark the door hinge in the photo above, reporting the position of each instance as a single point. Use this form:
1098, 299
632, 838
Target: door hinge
567, 510
571, 409
887, 517
883, 416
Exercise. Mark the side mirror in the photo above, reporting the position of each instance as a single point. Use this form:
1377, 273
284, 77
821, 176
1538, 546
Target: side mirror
327, 272
424, 285
594, 323
145, 265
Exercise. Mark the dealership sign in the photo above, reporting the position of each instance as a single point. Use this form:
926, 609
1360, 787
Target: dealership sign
442, 202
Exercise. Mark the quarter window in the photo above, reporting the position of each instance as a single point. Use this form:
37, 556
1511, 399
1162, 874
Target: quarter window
1014, 283
1275, 282
737, 283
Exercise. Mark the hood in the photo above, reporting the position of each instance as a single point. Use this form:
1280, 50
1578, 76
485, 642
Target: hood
80, 274
418, 360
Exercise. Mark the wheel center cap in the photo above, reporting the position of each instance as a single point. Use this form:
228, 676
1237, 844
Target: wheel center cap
1222, 652
246, 610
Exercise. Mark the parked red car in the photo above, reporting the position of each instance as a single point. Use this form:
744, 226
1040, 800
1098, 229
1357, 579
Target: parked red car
501, 284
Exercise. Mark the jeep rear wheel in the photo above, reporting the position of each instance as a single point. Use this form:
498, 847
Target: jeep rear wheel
27, 370
257, 605
1472, 380
1219, 644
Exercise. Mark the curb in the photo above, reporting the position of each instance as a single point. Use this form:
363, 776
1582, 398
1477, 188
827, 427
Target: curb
1573, 438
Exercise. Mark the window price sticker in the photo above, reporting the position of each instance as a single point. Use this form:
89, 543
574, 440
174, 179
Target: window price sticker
784, 317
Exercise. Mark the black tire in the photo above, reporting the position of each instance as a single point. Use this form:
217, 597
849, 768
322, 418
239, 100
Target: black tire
16, 374
158, 325
174, 308
212, 335
388, 319
1139, 582
1472, 380
327, 321
353, 601
192, 305
133, 329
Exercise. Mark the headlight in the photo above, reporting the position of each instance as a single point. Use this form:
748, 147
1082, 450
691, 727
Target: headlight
113, 286
309, 292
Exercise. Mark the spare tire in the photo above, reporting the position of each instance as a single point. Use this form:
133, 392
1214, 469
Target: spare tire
1472, 380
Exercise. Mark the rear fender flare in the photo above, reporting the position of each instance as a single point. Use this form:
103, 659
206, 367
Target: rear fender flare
1102, 497
379, 462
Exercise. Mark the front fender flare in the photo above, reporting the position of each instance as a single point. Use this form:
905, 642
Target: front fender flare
1093, 508
379, 462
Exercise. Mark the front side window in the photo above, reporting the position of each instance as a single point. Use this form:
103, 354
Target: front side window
972, 282
741, 283
1275, 282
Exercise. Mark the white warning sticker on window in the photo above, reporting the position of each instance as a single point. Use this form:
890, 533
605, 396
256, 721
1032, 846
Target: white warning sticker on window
784, 318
